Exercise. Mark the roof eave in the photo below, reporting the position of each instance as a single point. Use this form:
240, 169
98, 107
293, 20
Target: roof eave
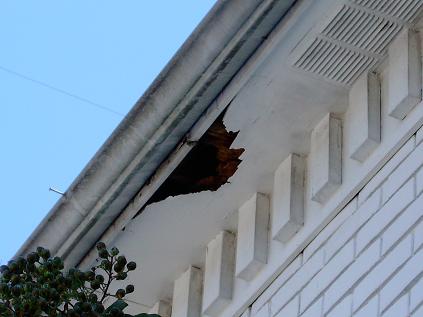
211, 56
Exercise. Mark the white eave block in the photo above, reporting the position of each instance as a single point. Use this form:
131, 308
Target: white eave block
252, 237
187, 293
288, 198
326, 158
161, 308
405, 82
219, 273
362, 120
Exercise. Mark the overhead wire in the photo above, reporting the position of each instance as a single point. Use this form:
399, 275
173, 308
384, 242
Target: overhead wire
61, 91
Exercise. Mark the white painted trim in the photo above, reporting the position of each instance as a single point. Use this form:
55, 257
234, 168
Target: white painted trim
362, 118
288, 198
161, 308
405, 74
187, 294
318, 215
252, 236
326, 158
219, 273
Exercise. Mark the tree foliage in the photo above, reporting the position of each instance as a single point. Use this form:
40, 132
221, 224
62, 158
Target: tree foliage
37, 285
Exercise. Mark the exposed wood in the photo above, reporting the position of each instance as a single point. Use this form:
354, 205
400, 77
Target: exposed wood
207, 167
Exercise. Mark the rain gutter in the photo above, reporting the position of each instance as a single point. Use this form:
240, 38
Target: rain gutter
157, 125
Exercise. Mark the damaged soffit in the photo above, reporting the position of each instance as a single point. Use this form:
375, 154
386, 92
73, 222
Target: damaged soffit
210, 57
274, 111
208, 166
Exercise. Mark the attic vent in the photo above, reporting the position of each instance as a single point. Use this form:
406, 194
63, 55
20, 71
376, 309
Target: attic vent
361, 29
354, 38
403, 10
319, 59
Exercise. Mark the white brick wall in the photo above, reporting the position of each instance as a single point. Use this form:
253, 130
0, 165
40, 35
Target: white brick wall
368, 261
370, 309
416, 294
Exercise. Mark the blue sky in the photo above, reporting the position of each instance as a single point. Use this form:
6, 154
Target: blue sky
103, 51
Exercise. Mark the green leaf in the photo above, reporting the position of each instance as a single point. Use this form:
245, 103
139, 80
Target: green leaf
118, 304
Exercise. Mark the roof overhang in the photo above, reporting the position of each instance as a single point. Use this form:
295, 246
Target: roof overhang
277, 95
157, 125
274, 104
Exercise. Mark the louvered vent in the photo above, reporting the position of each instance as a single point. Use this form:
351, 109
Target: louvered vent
355, 38
320, 57
404, 10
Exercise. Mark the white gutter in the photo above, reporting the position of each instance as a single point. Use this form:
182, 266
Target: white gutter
211, 56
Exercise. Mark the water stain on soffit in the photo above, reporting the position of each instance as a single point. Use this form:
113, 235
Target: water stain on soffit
207, 166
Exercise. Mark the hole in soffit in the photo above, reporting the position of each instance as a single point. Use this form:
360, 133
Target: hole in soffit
208, 166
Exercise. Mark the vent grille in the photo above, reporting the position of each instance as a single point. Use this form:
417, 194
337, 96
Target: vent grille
362, 30
404, 10
319, 57
355, 38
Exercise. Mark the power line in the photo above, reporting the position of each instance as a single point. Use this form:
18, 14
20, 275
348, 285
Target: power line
59, 90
